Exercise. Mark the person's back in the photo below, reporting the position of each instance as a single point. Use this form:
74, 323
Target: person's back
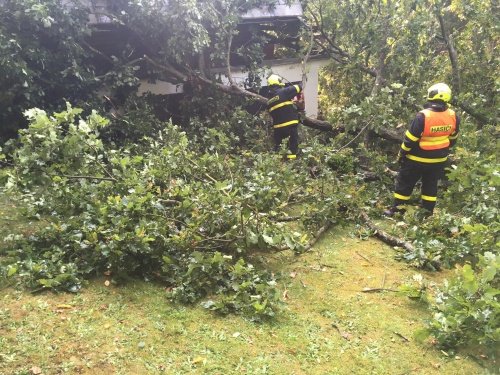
281, 106
284, 113
432, 133
425, 149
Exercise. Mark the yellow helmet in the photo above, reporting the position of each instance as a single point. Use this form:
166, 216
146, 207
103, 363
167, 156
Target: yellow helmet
275, 80
439, 91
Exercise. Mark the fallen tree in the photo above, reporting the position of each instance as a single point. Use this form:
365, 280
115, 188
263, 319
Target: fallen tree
163, 209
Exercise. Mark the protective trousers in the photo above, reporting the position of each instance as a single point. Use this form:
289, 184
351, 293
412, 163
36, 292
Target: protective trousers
408, 176
292, 133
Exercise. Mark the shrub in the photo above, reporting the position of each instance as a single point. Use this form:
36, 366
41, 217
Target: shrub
466, 310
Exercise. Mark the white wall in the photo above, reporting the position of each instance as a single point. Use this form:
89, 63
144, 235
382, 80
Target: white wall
159, 88
293, 72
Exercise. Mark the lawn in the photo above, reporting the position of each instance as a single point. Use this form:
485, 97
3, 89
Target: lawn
328, 324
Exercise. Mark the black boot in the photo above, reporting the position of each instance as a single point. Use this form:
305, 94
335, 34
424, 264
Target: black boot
391, 211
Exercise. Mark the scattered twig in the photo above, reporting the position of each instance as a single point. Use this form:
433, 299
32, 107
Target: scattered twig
400, 335
345, 335
383, 280
98, 163
206, 174
365, 258
377, 290
357, 135
327, 266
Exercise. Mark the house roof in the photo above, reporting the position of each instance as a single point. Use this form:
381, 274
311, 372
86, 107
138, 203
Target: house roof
281, 10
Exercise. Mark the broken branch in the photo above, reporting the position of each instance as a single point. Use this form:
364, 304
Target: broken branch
377, 290
386, 237
319, 233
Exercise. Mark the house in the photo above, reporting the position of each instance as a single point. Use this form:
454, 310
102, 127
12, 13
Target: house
282, 54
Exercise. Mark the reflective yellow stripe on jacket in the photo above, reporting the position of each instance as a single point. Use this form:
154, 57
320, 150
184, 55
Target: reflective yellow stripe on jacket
426, 160
283, 124
289, 102
411, 136
404, 147
434, 143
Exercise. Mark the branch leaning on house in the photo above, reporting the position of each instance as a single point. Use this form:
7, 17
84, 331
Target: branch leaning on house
236, 90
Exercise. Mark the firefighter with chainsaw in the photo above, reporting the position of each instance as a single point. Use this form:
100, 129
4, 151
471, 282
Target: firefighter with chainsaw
425, 148
284, 113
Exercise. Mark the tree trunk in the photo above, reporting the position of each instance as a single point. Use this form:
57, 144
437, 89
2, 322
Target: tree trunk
379, 81
452, 52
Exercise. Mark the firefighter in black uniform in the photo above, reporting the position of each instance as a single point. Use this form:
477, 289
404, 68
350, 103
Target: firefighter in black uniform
425, 149
284, 113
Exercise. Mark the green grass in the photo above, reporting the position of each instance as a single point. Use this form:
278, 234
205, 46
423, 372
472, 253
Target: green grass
327, 326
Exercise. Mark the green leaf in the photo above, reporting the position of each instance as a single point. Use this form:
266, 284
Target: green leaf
422, 334
11, 271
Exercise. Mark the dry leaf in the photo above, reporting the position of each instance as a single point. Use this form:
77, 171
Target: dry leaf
106, 283
343, 334
285, 294
36, 370
346, 335
198, 360
293, 274
64, 306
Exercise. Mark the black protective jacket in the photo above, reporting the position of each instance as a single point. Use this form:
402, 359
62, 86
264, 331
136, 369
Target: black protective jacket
281, 107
